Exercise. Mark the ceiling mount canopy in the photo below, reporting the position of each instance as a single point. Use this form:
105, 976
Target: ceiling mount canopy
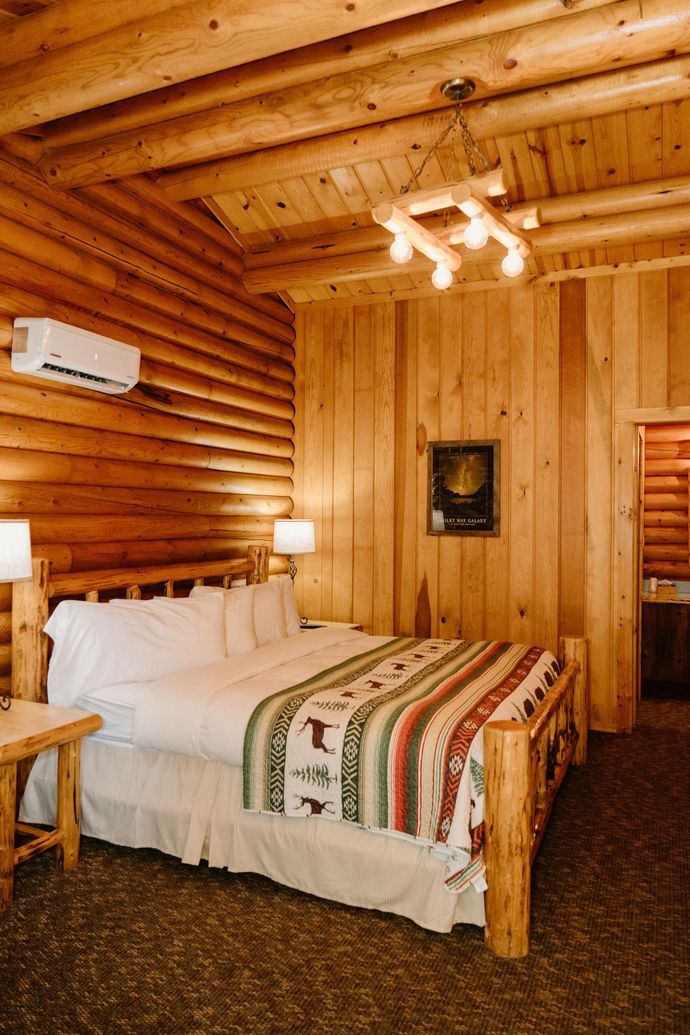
470, 196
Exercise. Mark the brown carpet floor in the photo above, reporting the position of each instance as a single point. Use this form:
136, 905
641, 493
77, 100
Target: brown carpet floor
135, 942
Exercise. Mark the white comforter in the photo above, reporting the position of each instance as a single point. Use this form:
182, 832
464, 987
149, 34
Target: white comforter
203, 712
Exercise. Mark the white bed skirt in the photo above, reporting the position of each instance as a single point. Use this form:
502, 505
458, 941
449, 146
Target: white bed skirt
192, 809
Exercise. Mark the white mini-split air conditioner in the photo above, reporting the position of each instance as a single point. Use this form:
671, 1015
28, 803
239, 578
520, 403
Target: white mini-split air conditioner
48, 348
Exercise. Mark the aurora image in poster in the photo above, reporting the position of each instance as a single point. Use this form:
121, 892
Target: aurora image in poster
462, 486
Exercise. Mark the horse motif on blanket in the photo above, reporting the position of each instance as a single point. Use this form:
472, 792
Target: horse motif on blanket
403, 754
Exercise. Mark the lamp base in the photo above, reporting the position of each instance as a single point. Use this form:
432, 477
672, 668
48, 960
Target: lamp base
5, 702
292, 568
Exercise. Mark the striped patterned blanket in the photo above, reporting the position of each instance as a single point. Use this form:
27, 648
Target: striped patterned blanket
388, 740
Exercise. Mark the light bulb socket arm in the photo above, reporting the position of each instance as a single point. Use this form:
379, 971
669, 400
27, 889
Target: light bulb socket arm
398, 222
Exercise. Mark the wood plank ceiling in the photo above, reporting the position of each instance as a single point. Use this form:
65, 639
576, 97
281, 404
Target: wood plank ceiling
290, 119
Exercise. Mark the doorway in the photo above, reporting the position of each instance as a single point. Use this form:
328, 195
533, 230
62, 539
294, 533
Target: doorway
627, 581
665, 596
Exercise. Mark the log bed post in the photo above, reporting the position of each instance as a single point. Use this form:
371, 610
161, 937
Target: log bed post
29, 648
508, 825
29, 645
524, 765
260, 556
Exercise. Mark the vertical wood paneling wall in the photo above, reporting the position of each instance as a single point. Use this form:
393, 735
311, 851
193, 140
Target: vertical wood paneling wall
547, 370
196, 461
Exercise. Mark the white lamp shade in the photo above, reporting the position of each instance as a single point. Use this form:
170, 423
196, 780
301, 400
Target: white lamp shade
15, 551
294, 536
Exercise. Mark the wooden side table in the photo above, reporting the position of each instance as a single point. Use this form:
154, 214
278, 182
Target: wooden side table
26, 729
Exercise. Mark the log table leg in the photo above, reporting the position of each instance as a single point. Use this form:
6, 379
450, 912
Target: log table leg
8, 790
67, 851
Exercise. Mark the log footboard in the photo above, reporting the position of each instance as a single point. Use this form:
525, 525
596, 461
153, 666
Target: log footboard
525, 764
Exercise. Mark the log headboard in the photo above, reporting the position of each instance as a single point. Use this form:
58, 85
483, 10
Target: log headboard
31, 601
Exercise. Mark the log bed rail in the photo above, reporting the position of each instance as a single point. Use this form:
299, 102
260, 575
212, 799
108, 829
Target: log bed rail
525, 763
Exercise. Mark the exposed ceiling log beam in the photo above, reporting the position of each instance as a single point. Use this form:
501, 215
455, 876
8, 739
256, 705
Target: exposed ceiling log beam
589, 97
18, 8
194, 39
63, 24
402, 38
598, 40
533, 109
584, 205
575, 235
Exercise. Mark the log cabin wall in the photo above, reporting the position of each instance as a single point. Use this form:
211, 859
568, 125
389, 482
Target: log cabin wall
665, 502
544, 369
193, 463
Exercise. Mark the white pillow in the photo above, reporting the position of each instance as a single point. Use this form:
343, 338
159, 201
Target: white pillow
95, 645
257, 614
238, 603
269, 612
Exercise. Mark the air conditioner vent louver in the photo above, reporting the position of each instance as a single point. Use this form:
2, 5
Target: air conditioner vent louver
86, 359
91, 379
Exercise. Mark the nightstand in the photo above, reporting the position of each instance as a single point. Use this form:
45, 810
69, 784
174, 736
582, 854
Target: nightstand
26, 729
318, 624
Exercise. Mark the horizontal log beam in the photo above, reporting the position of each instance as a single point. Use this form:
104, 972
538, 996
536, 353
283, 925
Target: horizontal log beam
593, 95
597, 41
666, 518
16, 498
667, 501
668, 433
653, 194
666, 535
19, 396
114, 528
72, 584
151, 398
86, 557
19, 430
33, 466
667, 569
63, 24
666, 482
604, 232
666, 552
402, 38
193, 39
161, 376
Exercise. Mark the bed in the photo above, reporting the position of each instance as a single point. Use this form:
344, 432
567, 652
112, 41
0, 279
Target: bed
230, 735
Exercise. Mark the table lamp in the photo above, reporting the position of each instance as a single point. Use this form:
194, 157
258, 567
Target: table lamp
293, 536
15, 562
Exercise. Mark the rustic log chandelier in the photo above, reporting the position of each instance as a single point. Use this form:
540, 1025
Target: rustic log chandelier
469, 196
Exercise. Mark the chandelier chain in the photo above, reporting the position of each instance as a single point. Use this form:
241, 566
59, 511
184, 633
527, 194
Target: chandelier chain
469, 144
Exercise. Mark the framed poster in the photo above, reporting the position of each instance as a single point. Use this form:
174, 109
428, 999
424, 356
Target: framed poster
464, 480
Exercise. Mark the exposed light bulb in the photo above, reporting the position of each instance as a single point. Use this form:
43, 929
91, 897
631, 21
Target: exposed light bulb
442, 277
401, 249
513, 264
476, 235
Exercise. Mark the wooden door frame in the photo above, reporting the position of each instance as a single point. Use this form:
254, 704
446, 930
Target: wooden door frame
626, 559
